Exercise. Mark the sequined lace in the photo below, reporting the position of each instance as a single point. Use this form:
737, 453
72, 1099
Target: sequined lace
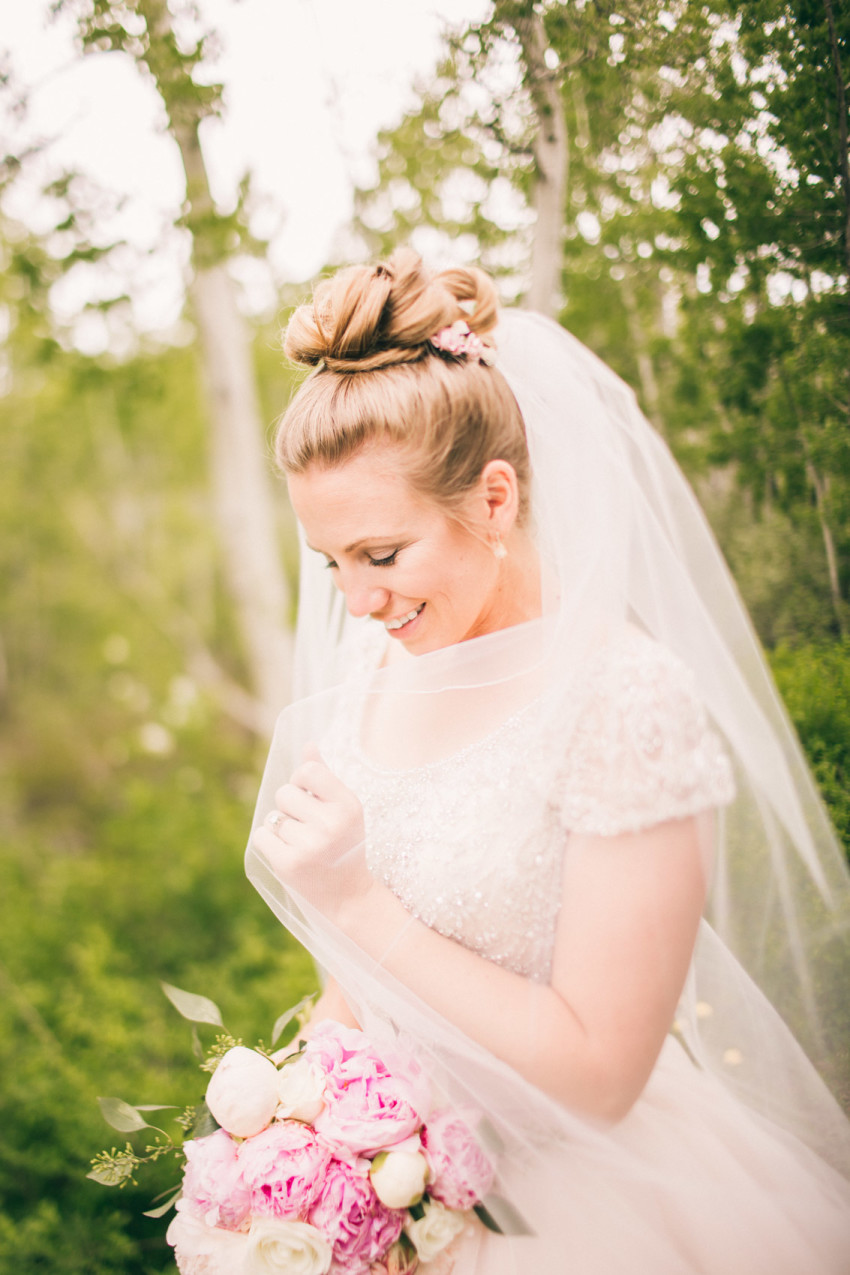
473, 846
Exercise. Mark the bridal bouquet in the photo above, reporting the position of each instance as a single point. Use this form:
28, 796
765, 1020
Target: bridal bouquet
325, 1159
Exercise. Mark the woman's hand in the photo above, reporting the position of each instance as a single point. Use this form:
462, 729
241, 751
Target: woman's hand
314, 841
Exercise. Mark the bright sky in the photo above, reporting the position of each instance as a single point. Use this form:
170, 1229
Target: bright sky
309, 83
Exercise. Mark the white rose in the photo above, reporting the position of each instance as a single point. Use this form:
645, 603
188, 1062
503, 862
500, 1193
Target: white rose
242, 1094
300, 1090
287, 1248
435, 1231
399, 1178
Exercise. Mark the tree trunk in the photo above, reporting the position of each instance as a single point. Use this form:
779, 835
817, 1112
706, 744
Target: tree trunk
843, 143
242, 497
551, 160
819, 488
241, 487
646, 369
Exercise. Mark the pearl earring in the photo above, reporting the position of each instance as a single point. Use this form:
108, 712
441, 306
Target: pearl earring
499, 550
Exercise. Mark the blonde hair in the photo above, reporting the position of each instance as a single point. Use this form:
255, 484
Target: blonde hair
379, 380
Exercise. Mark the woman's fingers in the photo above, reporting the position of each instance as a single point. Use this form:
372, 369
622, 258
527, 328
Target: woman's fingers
316, 826
314, 839
296, 803
314, 776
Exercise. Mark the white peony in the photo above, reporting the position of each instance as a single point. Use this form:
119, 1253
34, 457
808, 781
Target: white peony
287, 1248
435, 1231
300, 1091
205, 1250
399, 1178
242, 1093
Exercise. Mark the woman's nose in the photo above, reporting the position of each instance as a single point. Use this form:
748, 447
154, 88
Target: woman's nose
361, 600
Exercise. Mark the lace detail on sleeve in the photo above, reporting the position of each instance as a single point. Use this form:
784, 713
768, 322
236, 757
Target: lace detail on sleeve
642, 751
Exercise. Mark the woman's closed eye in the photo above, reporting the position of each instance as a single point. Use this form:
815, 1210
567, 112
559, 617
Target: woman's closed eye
373, 562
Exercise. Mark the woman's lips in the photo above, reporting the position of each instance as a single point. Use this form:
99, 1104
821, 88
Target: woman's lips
401, 623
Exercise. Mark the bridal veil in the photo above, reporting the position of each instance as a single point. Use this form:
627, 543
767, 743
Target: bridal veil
765, 1015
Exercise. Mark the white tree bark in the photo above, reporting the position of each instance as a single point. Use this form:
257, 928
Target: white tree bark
240, 462
242, 496
241, 478
551, 160
646, 368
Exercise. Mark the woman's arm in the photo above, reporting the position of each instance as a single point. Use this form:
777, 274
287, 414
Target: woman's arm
331, 1004
629, 915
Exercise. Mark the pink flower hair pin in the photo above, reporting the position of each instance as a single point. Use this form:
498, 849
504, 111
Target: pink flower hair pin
459, 341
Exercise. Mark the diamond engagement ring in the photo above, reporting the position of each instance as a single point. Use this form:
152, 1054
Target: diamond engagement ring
274, 821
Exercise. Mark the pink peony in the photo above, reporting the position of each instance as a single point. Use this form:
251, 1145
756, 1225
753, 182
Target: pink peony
461, 1174
282, 1168
372, 1100
352, 1218
212, 1187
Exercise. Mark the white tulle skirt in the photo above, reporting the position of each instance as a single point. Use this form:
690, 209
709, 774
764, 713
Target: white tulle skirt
712, 1189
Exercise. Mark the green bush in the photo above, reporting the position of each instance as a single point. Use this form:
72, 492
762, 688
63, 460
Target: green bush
156, 891
815, 684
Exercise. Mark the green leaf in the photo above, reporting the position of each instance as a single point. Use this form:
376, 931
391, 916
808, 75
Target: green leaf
286, 1018
512, 1221
294, 1056
121, 1115
417, 1211
487, 1218
198, 1009
162, 1209
205, 1122
111, 1174
157, 1106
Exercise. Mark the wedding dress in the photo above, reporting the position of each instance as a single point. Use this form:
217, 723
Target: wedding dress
639, 697
737, 1198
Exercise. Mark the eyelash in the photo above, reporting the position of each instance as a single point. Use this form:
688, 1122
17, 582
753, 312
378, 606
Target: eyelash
373, 562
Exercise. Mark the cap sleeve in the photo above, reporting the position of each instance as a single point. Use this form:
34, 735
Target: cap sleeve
642, 751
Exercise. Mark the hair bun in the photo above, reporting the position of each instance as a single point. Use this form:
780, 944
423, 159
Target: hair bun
368, 317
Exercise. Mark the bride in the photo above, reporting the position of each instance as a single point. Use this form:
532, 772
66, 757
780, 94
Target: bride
538, 812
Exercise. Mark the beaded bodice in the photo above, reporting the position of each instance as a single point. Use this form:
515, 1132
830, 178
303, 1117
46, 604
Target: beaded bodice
473, 843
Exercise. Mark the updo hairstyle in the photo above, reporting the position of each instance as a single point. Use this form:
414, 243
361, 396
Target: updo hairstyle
378, 379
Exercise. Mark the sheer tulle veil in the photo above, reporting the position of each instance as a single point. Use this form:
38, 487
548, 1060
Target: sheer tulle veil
623, 542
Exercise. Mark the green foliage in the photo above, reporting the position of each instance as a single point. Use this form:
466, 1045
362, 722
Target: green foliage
126, 791
815, 684
705, 240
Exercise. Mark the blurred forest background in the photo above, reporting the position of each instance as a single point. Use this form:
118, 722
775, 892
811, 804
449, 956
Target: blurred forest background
671, 181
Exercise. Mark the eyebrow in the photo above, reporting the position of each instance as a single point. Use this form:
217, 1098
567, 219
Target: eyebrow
365, 540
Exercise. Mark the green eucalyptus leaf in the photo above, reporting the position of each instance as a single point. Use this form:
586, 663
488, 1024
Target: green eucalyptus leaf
121, 1115
287, 1017
162, 1209
157, 1106
111, 1174
198, 1009
294, 1056
487, 1218
205, 1122
511, 1220
197, 1047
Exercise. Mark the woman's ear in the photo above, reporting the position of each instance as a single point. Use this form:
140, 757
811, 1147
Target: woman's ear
499, 488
